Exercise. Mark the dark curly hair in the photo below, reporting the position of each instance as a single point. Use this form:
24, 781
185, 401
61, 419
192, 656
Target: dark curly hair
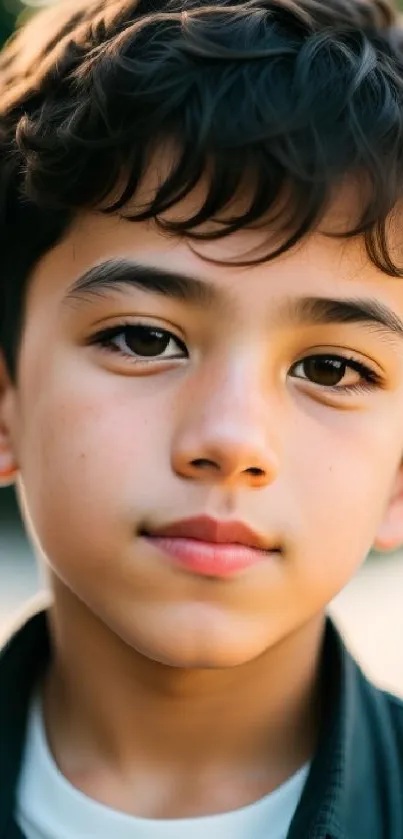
278, 101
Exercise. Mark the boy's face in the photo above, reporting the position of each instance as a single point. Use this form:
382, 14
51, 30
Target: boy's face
234, 417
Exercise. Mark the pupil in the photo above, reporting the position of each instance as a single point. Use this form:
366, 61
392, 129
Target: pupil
144, 341
325, 371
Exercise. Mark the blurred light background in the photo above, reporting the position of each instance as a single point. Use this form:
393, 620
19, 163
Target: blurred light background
369, 610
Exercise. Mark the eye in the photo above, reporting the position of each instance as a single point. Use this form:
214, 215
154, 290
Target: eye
141, 341
336, 372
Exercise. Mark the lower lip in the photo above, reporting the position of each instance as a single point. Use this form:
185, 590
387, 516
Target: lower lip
208, 559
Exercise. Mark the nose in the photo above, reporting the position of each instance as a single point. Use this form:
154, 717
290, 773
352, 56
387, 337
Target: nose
226, 434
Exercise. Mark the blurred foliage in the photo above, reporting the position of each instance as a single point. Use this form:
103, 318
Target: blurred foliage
9, 13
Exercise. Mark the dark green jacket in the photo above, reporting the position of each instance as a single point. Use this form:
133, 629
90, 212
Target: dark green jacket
355, 787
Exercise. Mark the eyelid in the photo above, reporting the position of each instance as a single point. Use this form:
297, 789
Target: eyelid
344, 352
106, 325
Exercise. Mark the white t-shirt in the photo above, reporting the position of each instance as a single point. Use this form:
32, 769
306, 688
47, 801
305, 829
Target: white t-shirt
49, 807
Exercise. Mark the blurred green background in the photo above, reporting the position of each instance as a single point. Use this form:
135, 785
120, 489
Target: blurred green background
9, 12
13, 11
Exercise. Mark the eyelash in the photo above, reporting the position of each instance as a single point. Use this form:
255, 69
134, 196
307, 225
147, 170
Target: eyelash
105, 338
370, 379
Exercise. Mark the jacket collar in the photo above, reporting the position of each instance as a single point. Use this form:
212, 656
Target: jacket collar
334, 804
344, 797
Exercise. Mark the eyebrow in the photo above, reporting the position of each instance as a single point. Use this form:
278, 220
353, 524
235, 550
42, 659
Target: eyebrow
325, 310
116, 274
113, 274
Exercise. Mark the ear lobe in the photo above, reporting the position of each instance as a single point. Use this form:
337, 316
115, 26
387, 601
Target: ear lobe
8, 473
8, 463
390, 532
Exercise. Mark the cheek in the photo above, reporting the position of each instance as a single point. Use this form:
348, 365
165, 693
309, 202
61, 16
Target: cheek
342, 481
87, 453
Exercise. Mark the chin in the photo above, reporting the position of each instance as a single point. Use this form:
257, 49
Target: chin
198, 660
194, 647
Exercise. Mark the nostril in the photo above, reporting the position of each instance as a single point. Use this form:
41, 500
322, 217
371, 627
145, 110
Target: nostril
255, 472
204, 463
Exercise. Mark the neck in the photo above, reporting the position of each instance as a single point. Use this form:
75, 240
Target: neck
107, 704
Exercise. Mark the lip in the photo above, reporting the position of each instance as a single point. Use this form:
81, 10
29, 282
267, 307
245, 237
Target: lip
211, 548
207, 529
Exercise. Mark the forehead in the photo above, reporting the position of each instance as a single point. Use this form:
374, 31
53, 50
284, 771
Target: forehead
321, 265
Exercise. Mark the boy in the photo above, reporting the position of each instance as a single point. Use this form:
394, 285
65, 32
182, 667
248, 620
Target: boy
201, 400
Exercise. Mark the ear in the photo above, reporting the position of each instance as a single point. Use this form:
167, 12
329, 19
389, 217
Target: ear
8, 461
390, 532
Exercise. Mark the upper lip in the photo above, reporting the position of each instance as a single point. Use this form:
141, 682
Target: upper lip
207, 529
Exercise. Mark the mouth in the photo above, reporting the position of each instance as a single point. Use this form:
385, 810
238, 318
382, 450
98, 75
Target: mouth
211, 548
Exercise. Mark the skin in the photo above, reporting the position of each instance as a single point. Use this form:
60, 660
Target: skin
171, 695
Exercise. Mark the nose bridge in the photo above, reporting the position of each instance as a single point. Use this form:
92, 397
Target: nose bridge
237, 399
225, 429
